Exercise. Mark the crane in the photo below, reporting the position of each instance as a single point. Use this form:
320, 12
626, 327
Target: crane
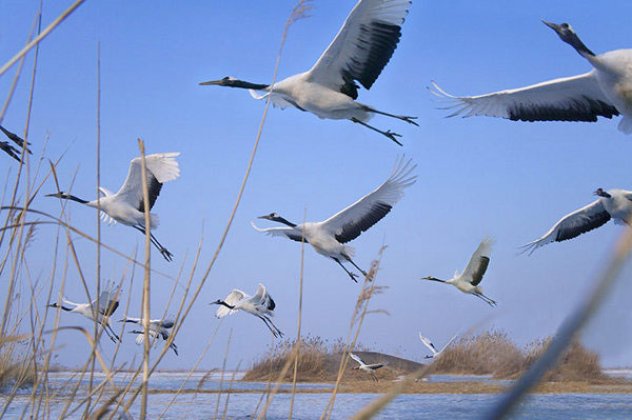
126, 205
360, 51
329, 236
605, 91
158, 328
613, 204
8, 148
260, 305
435, 353
99, 310
368, 368
469, 280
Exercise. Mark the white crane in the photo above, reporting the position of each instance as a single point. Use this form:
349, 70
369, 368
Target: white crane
370, 369
127, 206
605, 91
435, 353
108, 302
613, 204
158, 328
469, 280
360, 51
328, 237
260, 305
8, 148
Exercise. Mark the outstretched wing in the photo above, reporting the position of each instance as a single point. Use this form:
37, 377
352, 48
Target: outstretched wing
479, 261
426, 341
286, 231
161, 167
263, 297
572, 225
232, 299
362, 47
576, 98
108, 300
349, 223
356, 358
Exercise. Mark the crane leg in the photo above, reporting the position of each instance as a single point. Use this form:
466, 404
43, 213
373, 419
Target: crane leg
352, 275
163, 251
356, 266
272, 330
388, 133
279, 332
485, 299
408, 119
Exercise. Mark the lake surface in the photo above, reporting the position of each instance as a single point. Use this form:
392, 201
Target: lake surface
308, 406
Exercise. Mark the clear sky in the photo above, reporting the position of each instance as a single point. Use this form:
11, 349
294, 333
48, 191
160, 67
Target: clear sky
476, 176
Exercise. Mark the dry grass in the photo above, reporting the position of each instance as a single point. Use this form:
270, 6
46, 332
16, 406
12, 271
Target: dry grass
493, 353
319, 361
16, 366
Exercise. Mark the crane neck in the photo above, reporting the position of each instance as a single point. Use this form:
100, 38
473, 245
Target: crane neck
221, 302
285, 222
64, 308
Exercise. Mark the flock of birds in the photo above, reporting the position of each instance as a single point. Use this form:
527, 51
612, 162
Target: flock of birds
329, 90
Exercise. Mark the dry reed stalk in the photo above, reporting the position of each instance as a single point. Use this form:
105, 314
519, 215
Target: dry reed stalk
230, 391
357, 318
146, 283
297, 13
221, 378
569, 330
300, 316
41, 36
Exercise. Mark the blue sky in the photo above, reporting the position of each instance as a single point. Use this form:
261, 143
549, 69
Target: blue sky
476, 176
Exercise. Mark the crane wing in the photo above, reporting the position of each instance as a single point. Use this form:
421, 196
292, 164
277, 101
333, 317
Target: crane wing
161, 167
108, 300
232, 299
479, 261
349, 223
426, 341
362, 47
264, 298
286, 231
572, 225
576, 98
356, 358
450, 342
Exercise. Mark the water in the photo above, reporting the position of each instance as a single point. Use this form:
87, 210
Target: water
309, 406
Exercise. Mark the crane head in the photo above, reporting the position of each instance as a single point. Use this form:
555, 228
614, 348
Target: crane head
601, 193
563, 30
230, 81
272, 216
433, 279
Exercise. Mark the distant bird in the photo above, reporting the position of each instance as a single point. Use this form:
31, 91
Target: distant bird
605, 91
108, 302
370, 369
469, 280
360, 51
158, 328
260, 305
612, 204
435, 353
327, 237
9, 148
127, 206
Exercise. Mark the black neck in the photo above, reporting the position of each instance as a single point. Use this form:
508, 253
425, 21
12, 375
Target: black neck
56, 305
284, 221
221, 302
435, 279
247, 85
71, 197
579, 46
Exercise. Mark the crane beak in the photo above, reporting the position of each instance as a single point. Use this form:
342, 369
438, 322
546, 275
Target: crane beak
552, 25
266, 217
57, 195
212, 83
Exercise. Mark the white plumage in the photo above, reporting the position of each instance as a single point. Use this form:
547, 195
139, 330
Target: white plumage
158, 328
368, 368
359, 52
126, 205
328, 237
435, 353
260, 305
612, 204
469, 280
605, 91
99, 310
